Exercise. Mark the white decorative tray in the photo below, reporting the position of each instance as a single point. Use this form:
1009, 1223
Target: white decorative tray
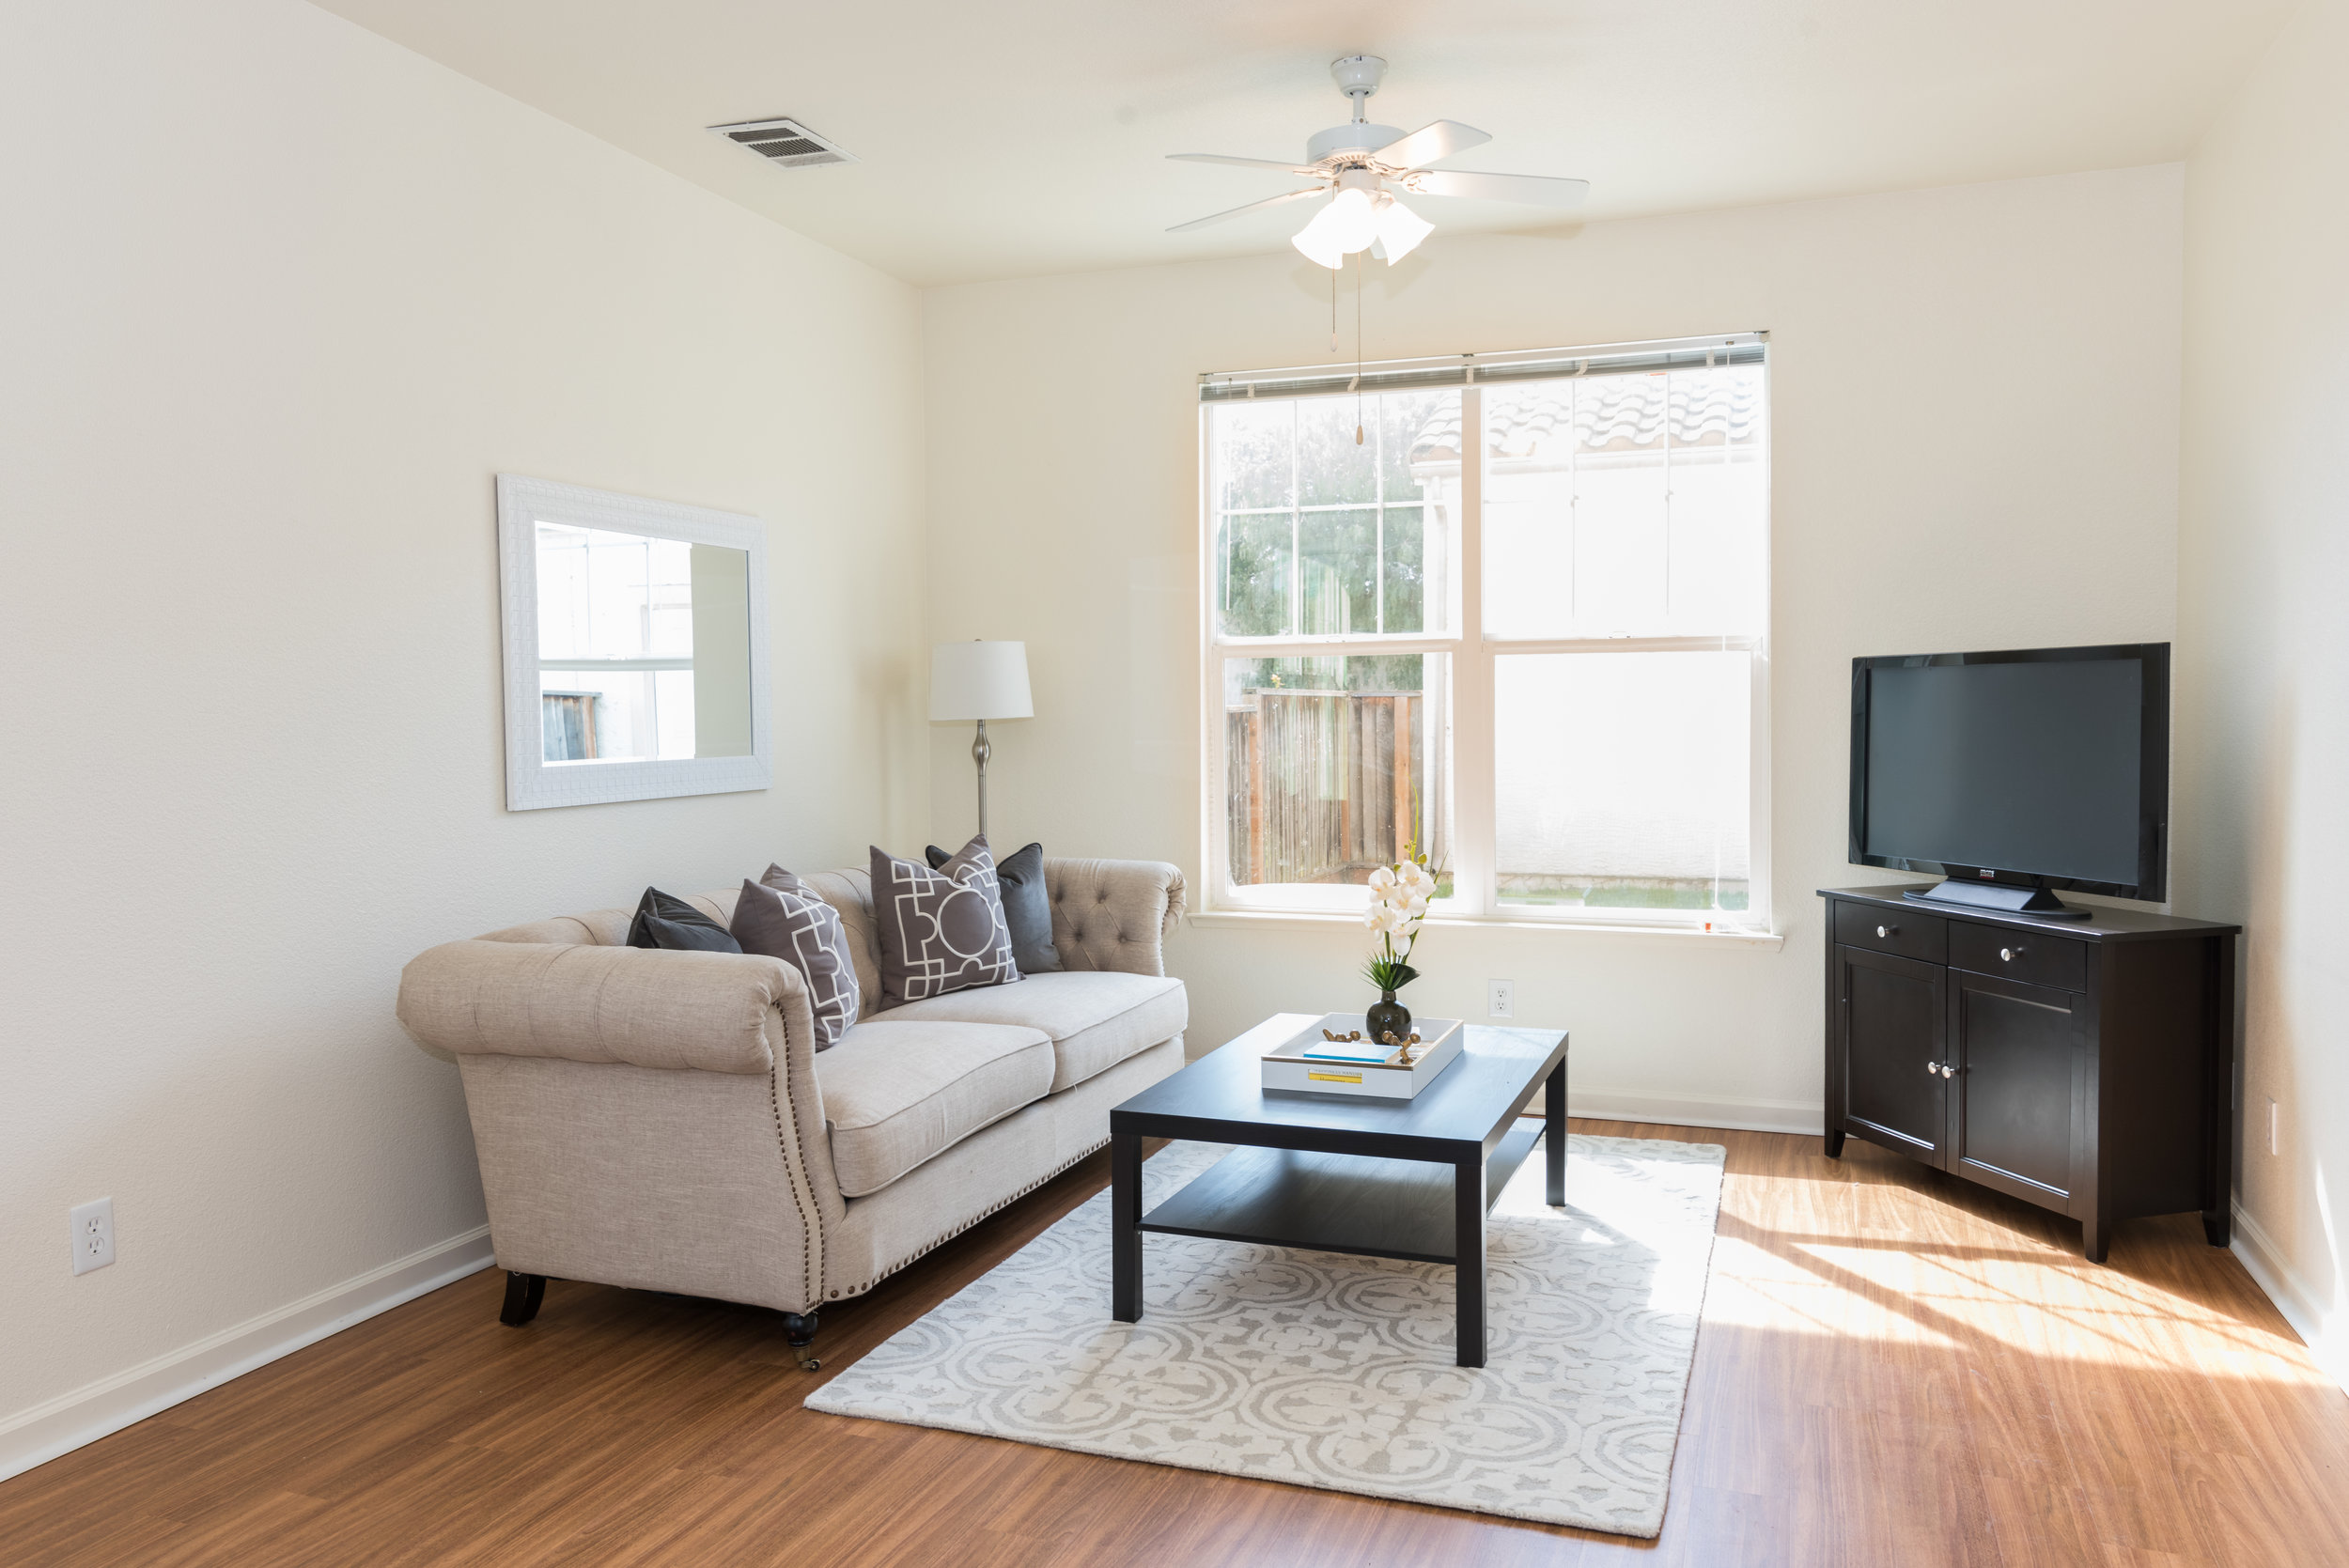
1288, 1070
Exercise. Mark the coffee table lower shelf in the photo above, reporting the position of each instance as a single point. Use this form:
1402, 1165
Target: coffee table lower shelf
1379, 1208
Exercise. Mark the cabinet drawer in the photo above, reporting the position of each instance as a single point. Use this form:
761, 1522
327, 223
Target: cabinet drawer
2029, 956
1911, 936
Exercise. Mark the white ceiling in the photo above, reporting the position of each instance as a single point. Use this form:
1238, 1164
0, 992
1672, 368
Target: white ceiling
1024, 136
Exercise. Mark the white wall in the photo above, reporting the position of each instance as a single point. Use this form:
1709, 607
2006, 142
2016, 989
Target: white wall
277, 300
2262, 680
1976, 427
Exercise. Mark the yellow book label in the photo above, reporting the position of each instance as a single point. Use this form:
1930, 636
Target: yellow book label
1335, 1077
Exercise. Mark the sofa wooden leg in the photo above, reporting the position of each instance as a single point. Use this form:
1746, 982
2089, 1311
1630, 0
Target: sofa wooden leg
799, 1332
523, 1292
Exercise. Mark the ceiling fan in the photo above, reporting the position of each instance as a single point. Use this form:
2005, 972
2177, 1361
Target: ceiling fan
1356, 164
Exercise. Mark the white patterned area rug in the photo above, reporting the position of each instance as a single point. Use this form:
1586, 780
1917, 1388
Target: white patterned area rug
1323, 1369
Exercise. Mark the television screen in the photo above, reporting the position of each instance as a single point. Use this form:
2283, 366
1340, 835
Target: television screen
2032, 764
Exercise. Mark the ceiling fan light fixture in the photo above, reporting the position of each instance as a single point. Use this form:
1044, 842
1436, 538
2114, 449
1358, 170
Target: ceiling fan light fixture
1316, 247
1349, 224
1400, 229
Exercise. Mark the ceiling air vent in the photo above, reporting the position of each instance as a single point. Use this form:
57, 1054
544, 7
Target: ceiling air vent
783, 141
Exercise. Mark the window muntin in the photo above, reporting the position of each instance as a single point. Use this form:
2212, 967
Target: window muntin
1317, 535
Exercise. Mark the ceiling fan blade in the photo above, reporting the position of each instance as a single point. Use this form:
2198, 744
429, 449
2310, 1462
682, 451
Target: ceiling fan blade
1268, 201
1242, 163
1429, 142
1536, 188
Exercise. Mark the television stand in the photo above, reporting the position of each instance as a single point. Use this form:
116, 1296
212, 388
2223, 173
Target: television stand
1999, 896
2087, 1069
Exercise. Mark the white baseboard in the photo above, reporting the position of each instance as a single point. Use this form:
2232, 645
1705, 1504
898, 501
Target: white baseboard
2265, 1262
36, 1436
1793, 1116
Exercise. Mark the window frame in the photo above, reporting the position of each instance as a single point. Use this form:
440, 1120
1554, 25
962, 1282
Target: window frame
1470, 662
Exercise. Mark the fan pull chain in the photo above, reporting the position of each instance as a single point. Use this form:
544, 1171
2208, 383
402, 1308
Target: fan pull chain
1334, 310
1358, 348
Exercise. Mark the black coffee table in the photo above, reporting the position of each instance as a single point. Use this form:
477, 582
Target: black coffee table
1408, 1179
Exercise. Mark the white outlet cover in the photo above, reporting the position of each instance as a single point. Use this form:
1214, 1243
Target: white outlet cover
1500, 999
93, 1234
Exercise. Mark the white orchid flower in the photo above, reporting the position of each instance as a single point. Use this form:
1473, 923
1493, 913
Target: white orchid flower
1381, 879
1415, 877
1416, 909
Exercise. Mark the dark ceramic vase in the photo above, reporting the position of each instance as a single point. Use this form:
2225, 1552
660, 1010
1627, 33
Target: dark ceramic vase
1387, 1016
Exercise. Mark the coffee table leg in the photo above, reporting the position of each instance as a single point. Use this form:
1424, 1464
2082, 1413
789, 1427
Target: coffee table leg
1554, 1131
1126, 1227
1467, 1256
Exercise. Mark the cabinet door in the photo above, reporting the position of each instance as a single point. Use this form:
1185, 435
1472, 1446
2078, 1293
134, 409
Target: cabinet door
2021, 1057
1893, 1020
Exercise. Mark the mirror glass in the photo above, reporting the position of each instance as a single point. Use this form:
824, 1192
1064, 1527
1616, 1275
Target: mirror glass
644, 647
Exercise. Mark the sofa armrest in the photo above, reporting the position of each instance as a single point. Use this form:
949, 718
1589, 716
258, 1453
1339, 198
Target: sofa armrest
1113, 914
706, 1012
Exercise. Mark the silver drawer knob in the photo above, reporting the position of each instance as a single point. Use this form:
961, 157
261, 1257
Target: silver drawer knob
1932, 1068
1947, 1071
2008, 954
1884, 931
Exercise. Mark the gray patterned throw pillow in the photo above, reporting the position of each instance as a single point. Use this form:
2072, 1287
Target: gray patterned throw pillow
782, 917
941, 930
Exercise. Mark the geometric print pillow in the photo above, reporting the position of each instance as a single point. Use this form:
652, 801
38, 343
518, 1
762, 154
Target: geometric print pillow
941, 930
781, 917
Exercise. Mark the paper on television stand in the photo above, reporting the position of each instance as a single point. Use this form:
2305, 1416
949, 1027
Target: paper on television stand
1288, 1070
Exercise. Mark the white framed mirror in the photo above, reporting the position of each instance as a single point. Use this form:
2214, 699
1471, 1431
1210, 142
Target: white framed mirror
635, 646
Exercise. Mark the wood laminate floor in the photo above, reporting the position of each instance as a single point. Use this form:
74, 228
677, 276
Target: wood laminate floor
1895, 1369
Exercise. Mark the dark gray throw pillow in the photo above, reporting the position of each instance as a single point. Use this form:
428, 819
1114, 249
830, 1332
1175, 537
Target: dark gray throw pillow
781, 917
941, 930
664, 921
1020, 882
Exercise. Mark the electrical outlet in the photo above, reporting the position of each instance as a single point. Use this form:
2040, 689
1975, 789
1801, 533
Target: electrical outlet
2274, 1126
93, 1235
1500, 999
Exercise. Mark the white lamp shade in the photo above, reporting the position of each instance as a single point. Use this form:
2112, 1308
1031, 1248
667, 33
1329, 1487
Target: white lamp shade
980, 680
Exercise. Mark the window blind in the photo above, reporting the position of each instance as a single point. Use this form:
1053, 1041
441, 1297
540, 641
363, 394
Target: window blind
1614, 359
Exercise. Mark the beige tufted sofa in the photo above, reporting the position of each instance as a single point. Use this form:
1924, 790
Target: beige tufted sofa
662, 1119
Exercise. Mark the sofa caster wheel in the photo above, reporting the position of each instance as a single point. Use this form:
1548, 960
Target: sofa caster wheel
799, 1332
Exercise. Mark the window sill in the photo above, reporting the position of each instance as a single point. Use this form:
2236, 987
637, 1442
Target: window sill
1306, 919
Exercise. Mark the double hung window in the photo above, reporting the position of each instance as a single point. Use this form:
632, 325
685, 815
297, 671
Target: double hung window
1509, 610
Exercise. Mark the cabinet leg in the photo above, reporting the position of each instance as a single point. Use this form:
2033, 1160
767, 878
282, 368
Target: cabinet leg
1835, 1143
2218, 1226
2095, 1238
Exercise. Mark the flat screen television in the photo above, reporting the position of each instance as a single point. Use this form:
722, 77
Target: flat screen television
2015, 773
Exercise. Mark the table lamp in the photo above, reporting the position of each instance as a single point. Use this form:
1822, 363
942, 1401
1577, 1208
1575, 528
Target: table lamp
979, 681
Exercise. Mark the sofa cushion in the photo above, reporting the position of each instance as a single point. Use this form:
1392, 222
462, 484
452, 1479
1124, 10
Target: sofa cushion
850, 893
1019, 883
665, 921
781, 917
1096, 1018
941, 930
897, 1093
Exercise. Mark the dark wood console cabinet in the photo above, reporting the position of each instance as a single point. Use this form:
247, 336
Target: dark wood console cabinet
2084, 1065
